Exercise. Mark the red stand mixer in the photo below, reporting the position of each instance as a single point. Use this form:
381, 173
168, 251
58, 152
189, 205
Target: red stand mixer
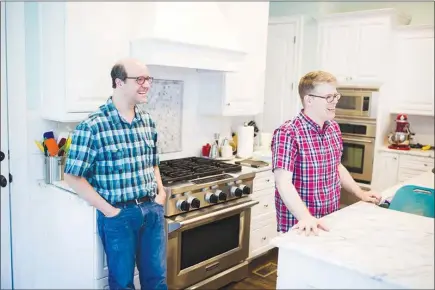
399, 140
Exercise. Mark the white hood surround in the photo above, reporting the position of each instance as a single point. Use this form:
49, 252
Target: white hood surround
188, 35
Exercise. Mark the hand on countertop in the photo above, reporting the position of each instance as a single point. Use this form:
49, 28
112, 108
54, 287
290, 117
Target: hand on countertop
310, 225
370, 196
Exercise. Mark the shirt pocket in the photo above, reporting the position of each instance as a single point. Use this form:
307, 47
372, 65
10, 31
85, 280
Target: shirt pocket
111, 160
147, 151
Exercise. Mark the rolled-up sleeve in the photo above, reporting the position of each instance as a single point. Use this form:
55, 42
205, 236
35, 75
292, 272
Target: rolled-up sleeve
82, 152
284, 149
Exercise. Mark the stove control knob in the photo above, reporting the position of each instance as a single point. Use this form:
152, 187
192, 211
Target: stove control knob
183, 205
245, 189
211, 198
235, 191
221, 195
194, 202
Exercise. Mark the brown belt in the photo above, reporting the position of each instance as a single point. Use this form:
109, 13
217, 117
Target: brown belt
134, 201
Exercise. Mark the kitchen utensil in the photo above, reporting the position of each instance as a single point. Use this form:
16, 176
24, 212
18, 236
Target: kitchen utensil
252, 163
61, 146
415, 200
40, 146
214, 151
52, 147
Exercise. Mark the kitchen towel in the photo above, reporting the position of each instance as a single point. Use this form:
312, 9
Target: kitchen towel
245, 141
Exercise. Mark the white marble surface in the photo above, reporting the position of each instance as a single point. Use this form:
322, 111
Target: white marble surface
413, 152
385, 245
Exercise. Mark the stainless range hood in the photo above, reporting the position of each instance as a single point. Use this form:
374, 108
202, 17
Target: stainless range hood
189, 35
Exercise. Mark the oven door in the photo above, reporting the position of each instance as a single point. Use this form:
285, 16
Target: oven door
358, 153
207, 242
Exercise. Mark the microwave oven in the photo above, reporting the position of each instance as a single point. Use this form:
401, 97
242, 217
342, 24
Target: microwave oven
357, 102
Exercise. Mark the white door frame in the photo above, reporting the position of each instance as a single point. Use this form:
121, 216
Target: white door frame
18, 144
6, 253
298, 21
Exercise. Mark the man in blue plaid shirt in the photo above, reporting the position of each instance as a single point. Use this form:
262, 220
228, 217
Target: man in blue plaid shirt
113, 165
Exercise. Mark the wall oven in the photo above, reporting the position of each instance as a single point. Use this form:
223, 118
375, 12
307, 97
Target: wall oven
209, 243
358, 136
357, 102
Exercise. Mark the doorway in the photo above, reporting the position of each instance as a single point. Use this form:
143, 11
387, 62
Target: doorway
281, 101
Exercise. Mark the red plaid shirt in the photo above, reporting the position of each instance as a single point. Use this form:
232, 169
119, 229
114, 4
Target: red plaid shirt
313, 154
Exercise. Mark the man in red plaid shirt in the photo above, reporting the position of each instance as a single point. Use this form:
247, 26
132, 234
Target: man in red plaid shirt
306, 160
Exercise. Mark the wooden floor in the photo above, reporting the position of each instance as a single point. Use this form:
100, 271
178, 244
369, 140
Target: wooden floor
255, 281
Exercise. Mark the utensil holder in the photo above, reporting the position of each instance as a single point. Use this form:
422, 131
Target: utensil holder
54, 168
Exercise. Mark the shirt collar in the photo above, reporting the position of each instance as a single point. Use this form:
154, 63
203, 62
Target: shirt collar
111, 112
313, 124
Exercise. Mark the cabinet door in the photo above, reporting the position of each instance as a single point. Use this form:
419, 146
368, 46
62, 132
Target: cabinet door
93, 43
385, 172
244, 90
414, 71
336, 44
370, 46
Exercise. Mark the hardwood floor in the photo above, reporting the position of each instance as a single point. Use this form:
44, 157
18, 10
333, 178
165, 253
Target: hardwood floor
256, 281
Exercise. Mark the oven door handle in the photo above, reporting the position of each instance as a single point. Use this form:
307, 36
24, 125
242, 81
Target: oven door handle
357, 140
178, 225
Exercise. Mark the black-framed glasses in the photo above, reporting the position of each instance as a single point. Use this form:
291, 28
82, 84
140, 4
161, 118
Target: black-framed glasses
328, 98
141, 80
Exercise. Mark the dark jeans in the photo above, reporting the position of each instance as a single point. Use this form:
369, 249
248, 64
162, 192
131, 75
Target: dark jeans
135, 235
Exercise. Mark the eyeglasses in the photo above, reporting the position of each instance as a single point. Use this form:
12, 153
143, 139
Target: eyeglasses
141, 80
328, 98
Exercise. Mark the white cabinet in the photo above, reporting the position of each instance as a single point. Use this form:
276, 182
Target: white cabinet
263, 214
240, 93
355, 46
413, 70
80, 42
392, 168
385, 170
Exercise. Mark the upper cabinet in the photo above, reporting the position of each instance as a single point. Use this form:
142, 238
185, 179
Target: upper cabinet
355, 46
413, 70
80, 42
242, 92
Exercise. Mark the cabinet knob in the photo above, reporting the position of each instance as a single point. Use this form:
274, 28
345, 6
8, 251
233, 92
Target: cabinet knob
264, 238
266, 205
228, 104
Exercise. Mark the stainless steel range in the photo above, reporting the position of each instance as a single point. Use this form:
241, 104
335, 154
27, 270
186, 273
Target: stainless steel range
208, 213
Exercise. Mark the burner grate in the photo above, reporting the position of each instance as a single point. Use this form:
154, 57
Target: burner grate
186, 169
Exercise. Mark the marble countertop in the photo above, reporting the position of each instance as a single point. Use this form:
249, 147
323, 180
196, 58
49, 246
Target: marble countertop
382, 244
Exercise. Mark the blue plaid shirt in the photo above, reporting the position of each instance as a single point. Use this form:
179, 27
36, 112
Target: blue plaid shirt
115, 157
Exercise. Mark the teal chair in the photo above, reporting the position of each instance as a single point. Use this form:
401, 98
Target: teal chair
415, 200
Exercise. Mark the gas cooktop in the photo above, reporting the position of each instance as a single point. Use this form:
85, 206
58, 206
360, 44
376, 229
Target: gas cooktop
187, 169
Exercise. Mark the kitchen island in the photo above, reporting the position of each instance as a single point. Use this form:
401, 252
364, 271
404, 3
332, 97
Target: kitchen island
368, 247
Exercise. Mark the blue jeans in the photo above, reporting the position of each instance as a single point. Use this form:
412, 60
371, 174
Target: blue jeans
135, 235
